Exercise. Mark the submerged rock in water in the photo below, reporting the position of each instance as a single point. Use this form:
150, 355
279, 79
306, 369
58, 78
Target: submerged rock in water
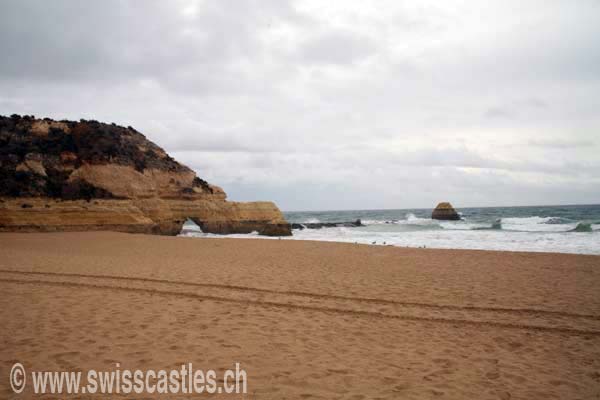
445, 211
582, 227
275, 229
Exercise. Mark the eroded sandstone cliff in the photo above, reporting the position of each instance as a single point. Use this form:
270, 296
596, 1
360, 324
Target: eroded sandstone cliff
87, 175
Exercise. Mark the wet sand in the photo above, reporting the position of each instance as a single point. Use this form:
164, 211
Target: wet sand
306, 320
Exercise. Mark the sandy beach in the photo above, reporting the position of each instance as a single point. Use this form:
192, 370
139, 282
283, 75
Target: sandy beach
306, 320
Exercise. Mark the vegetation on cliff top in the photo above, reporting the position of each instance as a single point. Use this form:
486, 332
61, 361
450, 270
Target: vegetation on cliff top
37, 156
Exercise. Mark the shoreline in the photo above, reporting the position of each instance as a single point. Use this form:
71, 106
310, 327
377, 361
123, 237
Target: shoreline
292, 239
244, 237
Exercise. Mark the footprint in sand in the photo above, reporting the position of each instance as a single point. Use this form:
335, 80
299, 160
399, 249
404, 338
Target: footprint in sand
492, 375
400, 388
66, 360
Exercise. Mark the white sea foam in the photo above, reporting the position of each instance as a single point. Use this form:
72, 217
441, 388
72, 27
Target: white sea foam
411, 219
535, 224
190, 229
312, 221
562, 242
378, 222
545, 234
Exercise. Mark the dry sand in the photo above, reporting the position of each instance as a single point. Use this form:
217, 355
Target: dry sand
306, 320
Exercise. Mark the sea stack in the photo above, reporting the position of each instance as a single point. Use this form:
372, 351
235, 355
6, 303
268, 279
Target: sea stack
88, 175
445, 211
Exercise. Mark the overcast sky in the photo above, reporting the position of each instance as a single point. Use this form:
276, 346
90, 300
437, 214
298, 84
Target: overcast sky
330, 105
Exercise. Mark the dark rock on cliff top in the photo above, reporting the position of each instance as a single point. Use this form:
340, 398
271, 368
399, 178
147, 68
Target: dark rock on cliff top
445, 211
37, 157
91, 141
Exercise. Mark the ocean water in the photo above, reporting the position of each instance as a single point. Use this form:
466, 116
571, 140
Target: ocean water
563, 229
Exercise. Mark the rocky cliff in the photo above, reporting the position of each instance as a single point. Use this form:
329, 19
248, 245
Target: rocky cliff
87, 175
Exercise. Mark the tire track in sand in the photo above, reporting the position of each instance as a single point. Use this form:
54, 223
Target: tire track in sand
314, 295
536, 320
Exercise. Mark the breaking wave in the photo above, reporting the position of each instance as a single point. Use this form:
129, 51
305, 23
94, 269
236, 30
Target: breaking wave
572, 229
311, 221
497, 225
515, 224
582, 227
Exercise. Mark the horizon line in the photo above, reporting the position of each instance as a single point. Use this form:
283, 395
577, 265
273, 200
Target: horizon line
431, 208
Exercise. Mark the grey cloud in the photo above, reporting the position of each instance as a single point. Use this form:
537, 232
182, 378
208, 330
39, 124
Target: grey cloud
337, 47
560, 143
517, 109
537, 103
499, 112
337, 181
114, 41
397, 105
